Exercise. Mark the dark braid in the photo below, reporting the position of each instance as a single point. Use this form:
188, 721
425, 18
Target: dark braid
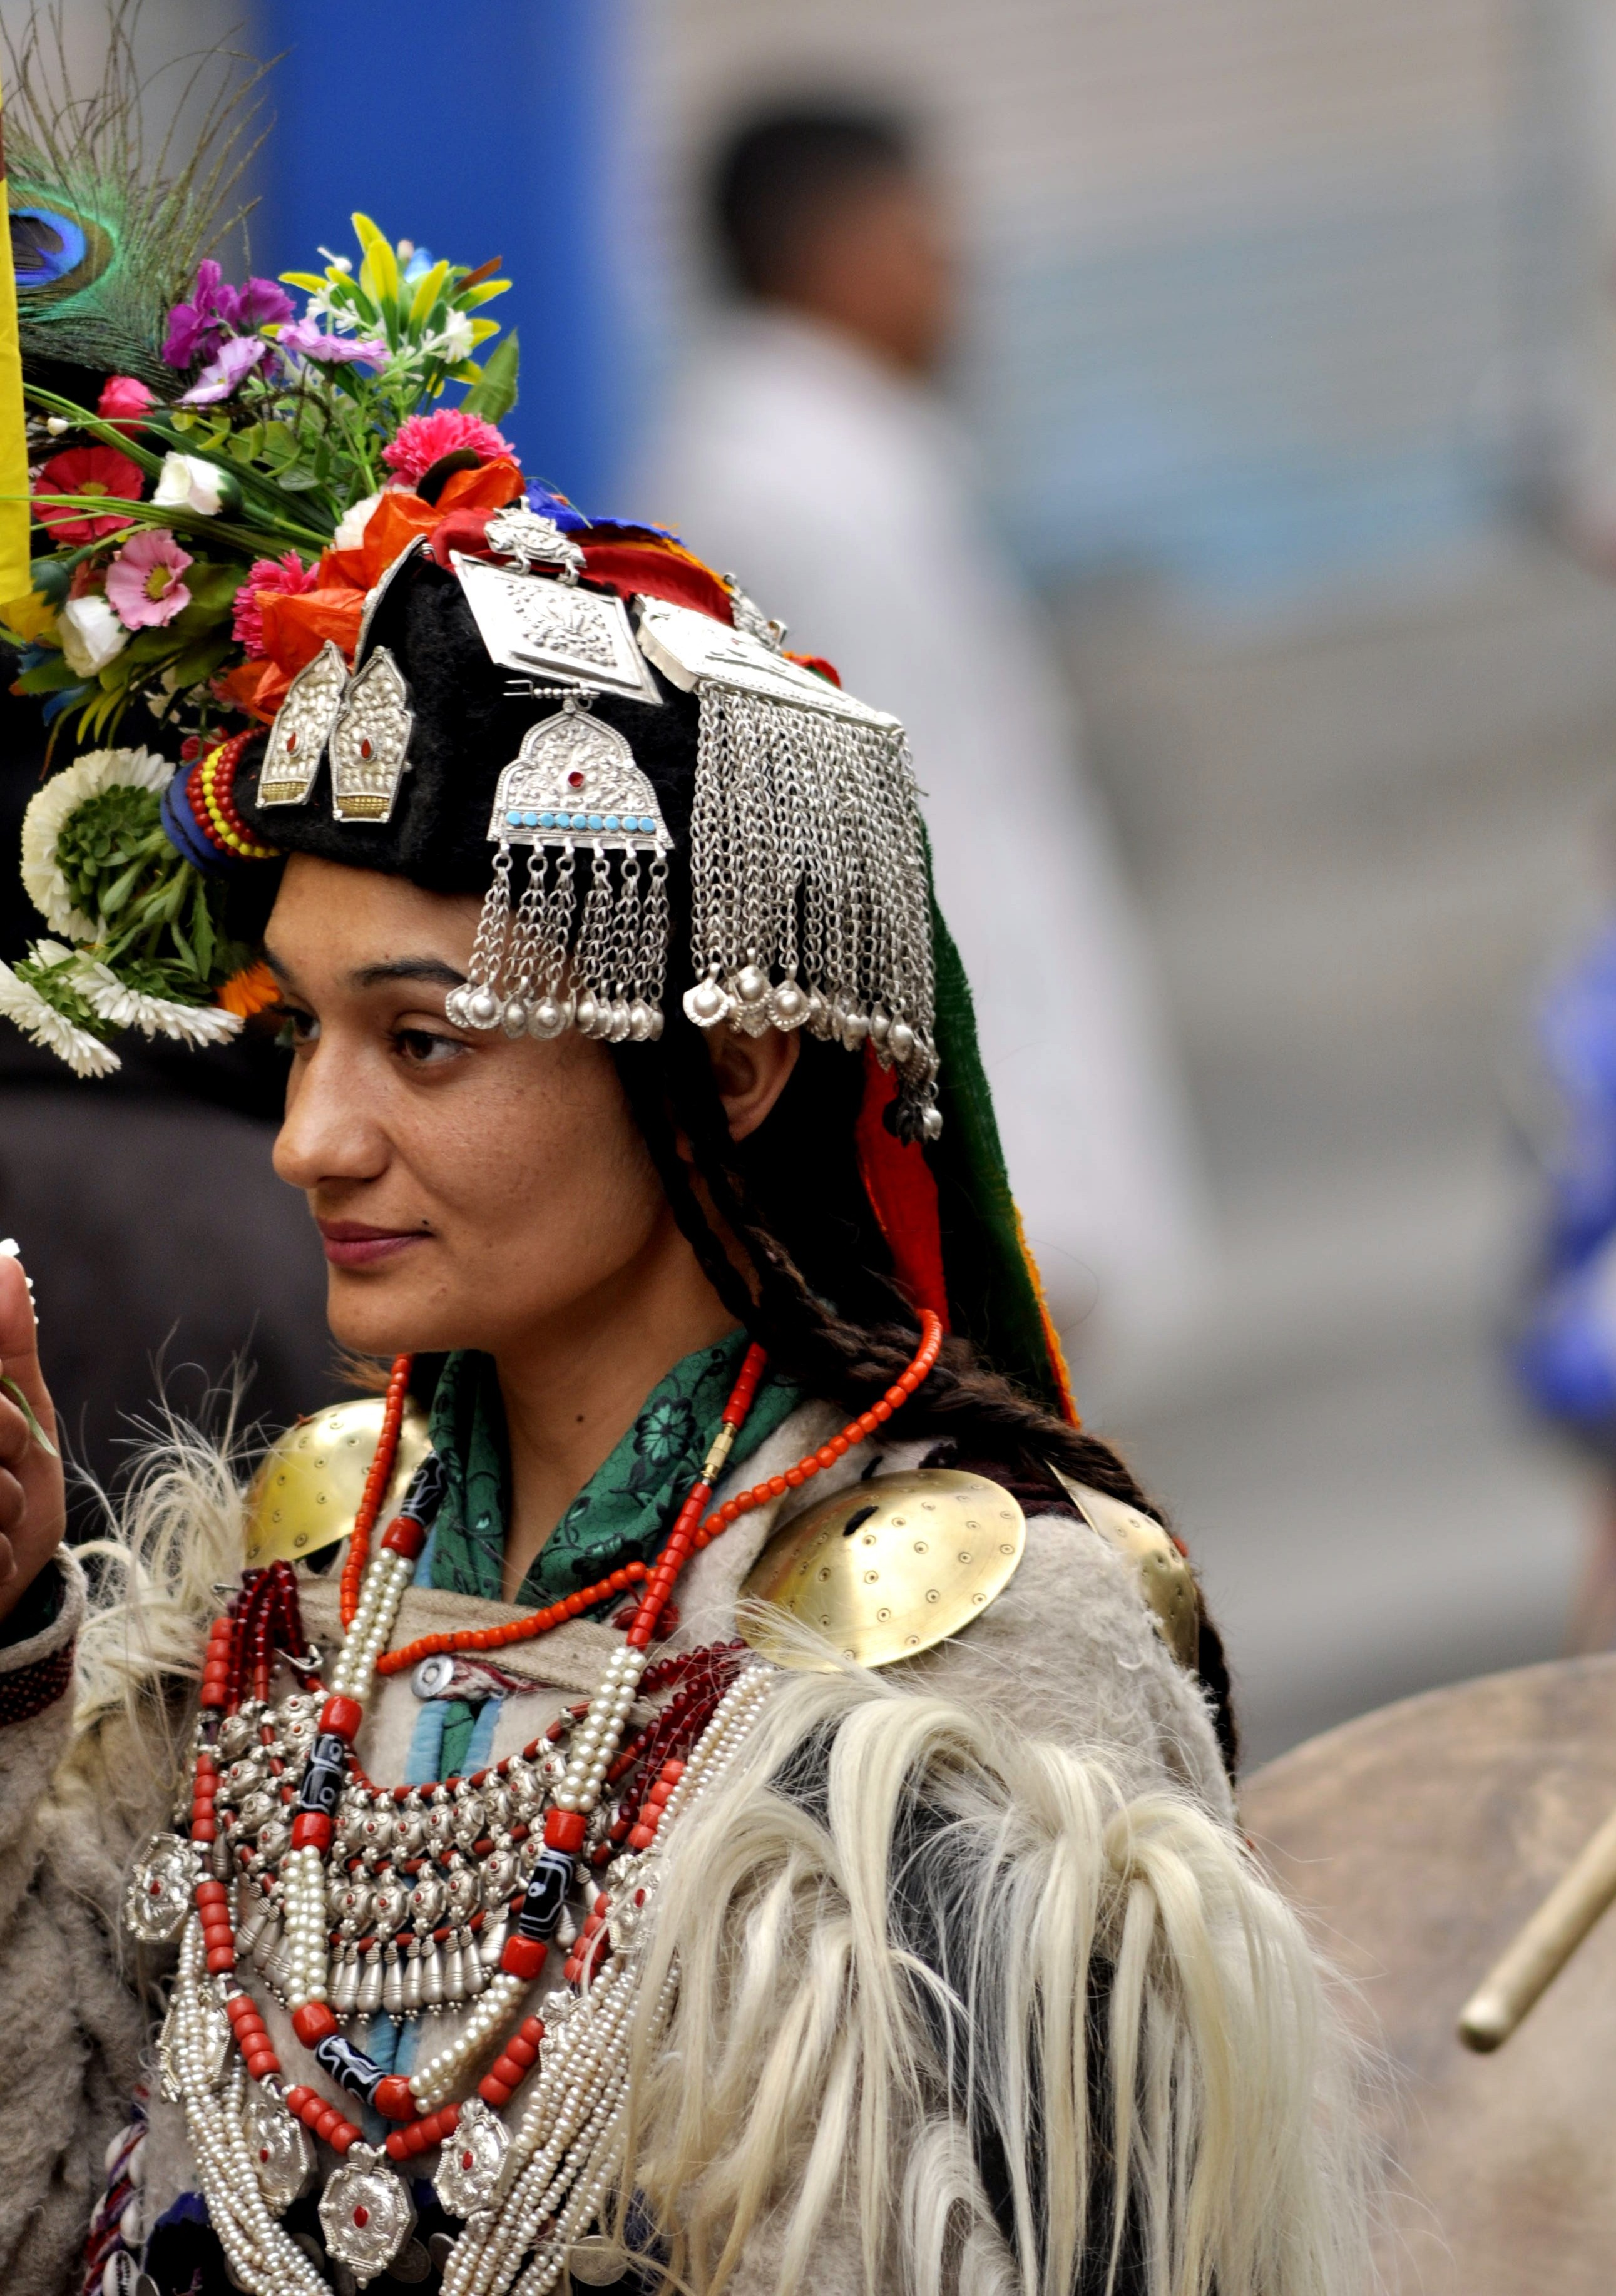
792, 1199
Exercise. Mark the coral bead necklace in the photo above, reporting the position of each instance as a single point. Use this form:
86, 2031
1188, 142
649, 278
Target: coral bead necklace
594, 1763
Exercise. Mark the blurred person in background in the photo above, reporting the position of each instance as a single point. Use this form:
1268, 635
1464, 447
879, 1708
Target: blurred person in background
808, 449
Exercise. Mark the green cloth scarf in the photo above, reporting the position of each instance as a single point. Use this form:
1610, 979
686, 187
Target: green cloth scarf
627, 1508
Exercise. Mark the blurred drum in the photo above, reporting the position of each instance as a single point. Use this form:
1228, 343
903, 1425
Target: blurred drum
1416, 1840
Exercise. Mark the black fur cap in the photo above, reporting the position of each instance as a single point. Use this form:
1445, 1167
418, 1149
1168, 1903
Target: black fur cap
468, 728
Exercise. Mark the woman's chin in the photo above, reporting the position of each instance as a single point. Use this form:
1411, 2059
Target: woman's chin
374, 1313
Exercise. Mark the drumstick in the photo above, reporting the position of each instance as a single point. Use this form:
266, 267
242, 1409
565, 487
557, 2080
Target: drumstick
1543, 1945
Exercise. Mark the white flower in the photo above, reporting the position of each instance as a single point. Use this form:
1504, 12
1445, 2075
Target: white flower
455, 341
91, 635
351, 534
63, 794
84, 1053
188, 482
111, 999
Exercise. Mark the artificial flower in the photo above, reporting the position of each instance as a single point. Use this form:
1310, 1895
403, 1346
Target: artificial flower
39, 1019
48, 811
85, 470
124, 403
225, 372
199, 329
253, 989
92, 634
331, 351
457, 339
351, 534
426, 438
112, 1000
284, 576
145, 581
189, 482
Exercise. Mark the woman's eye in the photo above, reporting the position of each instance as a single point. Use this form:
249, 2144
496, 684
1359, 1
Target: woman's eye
424, 1048
297, 1030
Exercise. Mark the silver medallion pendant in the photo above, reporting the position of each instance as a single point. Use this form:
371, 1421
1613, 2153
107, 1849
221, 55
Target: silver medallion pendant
575, 779
370, 741
550, 630
690, 647
280, 2151
365, 2213
472, 2172
298, 738
157, 1895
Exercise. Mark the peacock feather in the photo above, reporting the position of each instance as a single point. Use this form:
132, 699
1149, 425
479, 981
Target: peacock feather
106, 238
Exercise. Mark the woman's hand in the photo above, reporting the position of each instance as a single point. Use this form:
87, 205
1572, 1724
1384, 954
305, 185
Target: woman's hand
33, 1504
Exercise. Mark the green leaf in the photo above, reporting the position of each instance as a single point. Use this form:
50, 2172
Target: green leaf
53, 677
200, 661
494, 392
50, 576
298, 482
245, 446
27, 1409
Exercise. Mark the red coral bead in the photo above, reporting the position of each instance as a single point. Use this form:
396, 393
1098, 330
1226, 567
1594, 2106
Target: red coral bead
341, 1717
523, 1957
313, 2022
565, 1829
393, 2100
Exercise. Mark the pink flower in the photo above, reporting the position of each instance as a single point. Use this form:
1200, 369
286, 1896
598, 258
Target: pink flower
286, 575
236, 358
124, 403
144, 584
331, 351
426, 438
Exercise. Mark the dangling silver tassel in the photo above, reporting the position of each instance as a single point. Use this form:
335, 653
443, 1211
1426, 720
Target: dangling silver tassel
573, 788
809, 903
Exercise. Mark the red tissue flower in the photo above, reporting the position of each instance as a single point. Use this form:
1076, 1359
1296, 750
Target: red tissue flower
87, 471
286, 576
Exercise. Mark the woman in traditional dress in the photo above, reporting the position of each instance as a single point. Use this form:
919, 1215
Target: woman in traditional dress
744, 1798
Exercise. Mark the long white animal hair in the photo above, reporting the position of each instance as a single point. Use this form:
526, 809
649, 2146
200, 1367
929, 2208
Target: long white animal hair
902, 1934
174, 1535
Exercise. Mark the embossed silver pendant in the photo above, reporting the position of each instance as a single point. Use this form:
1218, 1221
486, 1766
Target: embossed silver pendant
298, 738
280, 2149
688, 648
574, 779
370, 741
365, 2213
471, 2171
157, 1898
550, 630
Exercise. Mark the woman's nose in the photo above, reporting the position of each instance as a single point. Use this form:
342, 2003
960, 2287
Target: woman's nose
329, 1132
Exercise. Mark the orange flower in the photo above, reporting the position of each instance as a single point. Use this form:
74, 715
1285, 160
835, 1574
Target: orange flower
249, 991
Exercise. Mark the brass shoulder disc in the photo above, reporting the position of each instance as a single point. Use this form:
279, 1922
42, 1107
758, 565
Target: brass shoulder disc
307, 1491
889, 1568
1166, 1580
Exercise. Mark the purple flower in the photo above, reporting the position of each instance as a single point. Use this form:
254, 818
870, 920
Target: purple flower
261, 303
199, 329
238, 356
331, 351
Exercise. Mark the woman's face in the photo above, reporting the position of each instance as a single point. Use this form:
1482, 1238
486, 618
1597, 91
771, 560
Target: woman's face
469, 1189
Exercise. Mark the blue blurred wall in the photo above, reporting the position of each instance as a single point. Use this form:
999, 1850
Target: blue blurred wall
484, 128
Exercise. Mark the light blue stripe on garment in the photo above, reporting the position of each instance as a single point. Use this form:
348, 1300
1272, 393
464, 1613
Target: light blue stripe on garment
392, 2041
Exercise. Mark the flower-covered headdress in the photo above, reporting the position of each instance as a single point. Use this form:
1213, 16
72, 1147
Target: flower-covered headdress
364, 632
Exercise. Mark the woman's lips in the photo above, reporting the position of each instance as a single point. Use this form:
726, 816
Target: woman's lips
351, 1243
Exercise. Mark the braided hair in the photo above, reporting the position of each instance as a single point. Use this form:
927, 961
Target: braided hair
783, 1231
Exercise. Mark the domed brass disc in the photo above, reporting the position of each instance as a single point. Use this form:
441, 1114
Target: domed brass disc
889, 1568
307, 1491
1166, 1580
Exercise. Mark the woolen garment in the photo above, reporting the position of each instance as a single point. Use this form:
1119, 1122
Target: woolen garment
1066, 1654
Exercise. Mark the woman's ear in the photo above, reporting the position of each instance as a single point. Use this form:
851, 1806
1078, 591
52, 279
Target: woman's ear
750, 1073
